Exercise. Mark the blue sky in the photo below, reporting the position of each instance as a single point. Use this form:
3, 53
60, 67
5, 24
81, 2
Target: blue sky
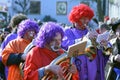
7, 2
3, 1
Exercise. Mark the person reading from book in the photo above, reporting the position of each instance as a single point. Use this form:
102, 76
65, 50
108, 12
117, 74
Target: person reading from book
80, 16
47, 48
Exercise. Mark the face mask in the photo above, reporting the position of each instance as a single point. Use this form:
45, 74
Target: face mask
31, 34
55, 48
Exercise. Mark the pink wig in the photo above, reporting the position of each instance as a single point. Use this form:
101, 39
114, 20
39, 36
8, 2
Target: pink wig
80, 11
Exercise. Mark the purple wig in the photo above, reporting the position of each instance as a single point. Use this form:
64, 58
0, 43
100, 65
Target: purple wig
47, 33
26, 25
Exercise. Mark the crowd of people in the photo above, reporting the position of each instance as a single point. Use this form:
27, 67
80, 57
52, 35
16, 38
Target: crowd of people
29, 49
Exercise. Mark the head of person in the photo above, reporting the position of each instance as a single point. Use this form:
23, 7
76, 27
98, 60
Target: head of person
28, 29
5, 32
80, 15
116, 27
106, 18
50, 36
93, 24
16, 19
103, 27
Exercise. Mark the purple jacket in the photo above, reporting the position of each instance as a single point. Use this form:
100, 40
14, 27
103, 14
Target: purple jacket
7, 39
88, 70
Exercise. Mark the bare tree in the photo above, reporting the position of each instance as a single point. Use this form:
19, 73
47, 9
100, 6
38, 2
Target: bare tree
21, 6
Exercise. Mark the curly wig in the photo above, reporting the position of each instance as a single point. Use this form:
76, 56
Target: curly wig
47, 33
80, 11
26, 25
16, 19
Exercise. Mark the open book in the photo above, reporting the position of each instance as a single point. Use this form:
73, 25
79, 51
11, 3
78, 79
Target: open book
77, 48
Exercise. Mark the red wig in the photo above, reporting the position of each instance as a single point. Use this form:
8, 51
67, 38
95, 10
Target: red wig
80, 11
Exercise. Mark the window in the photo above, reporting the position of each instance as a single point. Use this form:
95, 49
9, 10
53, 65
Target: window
35, 7
61, 8
85, 2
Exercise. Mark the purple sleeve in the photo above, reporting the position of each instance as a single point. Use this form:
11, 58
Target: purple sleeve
71, 34
68, 39
7, 39
101, 63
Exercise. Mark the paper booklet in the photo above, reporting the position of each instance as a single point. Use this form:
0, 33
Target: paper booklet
77, 48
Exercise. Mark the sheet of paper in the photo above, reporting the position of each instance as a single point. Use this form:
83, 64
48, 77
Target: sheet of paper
77, 48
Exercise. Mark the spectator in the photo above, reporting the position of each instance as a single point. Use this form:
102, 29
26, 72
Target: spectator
6, 31
103, 27
115, 56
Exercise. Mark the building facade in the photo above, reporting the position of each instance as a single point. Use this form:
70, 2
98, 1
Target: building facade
114, 8
56, 9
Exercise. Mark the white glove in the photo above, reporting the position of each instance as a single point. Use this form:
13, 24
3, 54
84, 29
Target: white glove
92, 34
73, 69
56, 69
117, 58
23, 56
78, 40
103, 38
111, 58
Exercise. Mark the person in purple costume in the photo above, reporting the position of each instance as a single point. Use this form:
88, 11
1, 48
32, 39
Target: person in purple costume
14, 22
80, 16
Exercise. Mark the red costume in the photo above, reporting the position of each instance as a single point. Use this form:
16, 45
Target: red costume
37, 58
14, 47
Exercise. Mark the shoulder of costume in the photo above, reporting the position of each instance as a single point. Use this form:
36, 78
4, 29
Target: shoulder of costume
68, 29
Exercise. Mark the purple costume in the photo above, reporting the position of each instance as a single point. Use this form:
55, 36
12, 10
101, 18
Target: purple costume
88, 70
7, 39
80, 16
